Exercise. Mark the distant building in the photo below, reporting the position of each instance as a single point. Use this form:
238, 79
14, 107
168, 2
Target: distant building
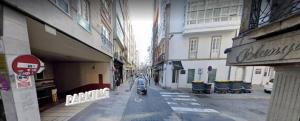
190, 36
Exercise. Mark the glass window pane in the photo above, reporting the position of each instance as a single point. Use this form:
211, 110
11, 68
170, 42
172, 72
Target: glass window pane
64, 5
208, 13
225, 11
217, 12
84, 9
233, 10
201, 14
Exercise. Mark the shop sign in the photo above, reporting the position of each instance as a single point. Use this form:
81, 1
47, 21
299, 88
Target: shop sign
282, 49
23, 81
88, 96
26, 65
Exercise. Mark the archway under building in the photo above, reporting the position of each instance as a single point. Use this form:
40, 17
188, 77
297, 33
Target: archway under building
71, 66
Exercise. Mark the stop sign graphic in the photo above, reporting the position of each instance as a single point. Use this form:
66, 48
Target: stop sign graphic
26, 65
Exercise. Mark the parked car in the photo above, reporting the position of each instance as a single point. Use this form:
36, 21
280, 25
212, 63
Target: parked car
141, 86
268, 86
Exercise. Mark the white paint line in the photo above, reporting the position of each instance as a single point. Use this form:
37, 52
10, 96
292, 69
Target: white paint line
183, 109
183, 96
172, 103
170, 93
192, 103
185, 99
167, 95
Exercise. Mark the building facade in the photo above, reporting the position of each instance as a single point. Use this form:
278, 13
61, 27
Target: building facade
190, 36
74, 39
124, 42
269, 36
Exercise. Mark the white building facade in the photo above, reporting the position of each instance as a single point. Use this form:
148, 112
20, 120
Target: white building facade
195, 34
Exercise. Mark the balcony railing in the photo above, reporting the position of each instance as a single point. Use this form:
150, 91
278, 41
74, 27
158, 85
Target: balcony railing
266, 11
106, 44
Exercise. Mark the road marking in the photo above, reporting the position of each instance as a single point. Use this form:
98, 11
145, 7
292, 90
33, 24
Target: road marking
192, 103
167, 95
183, 96
184, 99
170, 93
172, 103
183, 109
138, 100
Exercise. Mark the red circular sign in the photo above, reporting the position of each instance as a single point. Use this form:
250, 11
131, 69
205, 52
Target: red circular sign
26, 65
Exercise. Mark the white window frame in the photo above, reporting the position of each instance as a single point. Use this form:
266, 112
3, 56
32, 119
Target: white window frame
214, 11
55, 2
80, 9
193, 48
216, 43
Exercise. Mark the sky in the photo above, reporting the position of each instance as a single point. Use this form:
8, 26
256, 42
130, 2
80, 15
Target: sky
141, 15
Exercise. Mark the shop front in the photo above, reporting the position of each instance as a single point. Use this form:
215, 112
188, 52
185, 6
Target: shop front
118, 72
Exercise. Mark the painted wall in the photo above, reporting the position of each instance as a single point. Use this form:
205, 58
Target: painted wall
71, 75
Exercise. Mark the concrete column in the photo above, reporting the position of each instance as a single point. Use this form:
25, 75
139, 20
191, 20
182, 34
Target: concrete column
285, 100
19, 104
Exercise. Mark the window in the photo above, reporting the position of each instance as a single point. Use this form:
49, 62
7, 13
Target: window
105, 32
257, 71
215, 47
193, 48
207, 11
83, 10
217, 12
64, 5
191, 75
83, 15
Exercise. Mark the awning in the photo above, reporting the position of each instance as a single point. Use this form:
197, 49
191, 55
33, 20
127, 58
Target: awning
177, 65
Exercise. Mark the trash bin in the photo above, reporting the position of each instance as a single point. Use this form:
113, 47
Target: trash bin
221, 86
235, 86
198, 86
246, 87
207, 88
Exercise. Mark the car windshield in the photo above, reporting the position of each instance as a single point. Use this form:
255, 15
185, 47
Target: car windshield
141, 82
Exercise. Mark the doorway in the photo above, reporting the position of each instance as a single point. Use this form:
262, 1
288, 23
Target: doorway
191, 75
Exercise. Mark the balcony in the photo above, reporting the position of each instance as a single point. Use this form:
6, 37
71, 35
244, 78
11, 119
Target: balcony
264, 12
213, 26
106, 44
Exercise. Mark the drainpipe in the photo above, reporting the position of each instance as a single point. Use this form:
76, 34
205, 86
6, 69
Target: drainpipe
252, 74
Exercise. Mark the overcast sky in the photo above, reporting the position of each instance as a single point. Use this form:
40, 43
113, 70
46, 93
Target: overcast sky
141, 15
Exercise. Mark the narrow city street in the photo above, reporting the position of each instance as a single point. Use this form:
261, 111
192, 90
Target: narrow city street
171, 105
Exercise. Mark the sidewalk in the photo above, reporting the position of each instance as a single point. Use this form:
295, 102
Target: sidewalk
110, 109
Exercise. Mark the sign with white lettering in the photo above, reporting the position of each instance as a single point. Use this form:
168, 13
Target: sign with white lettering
26, 65
279, 49
23, 81
87, 96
